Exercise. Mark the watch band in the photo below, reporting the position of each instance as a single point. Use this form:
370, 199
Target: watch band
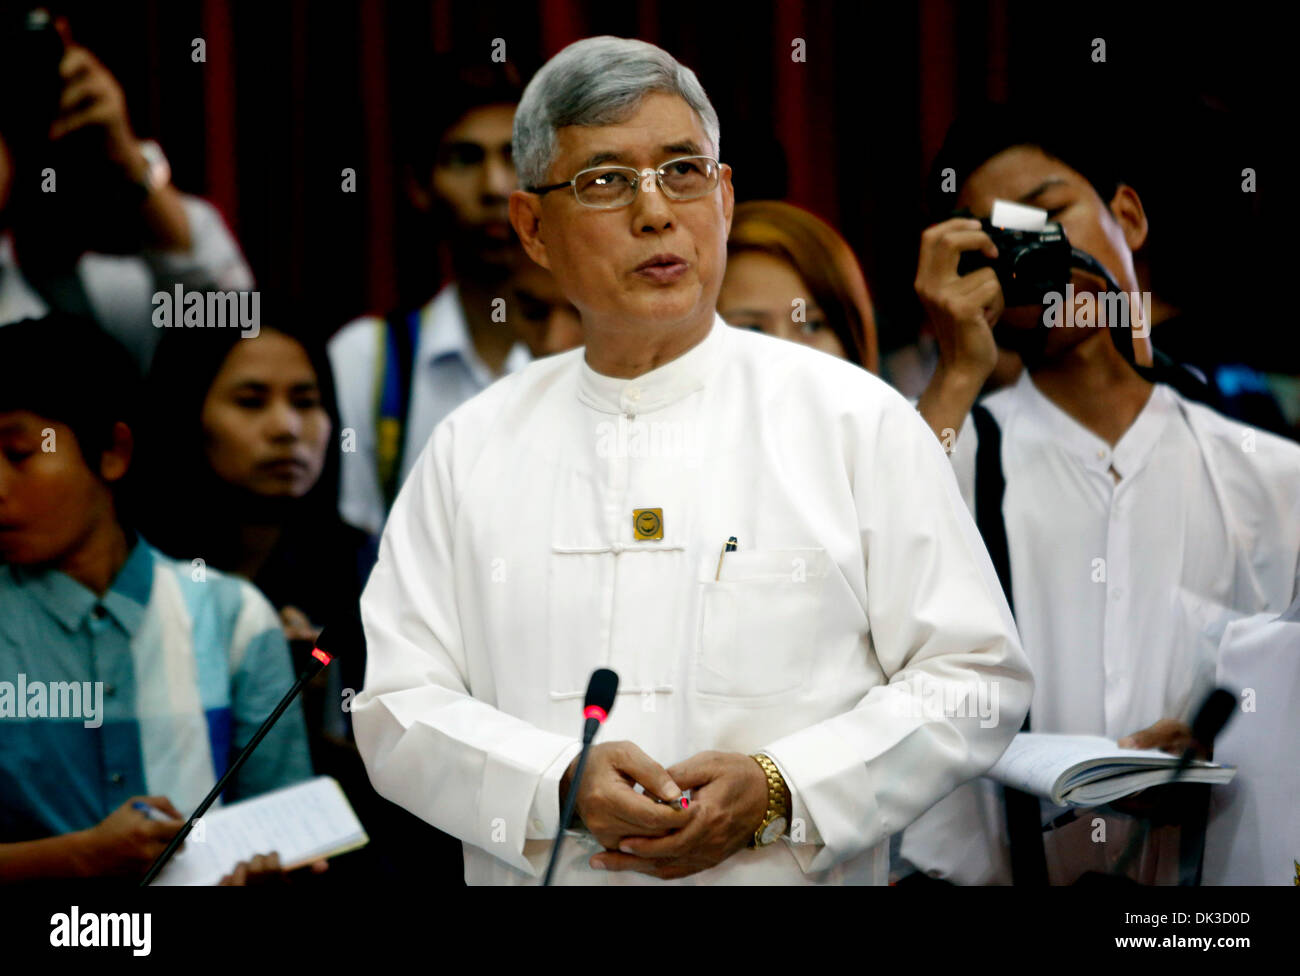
776, 790
159, 172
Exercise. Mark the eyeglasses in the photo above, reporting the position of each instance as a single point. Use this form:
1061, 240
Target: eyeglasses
611, 187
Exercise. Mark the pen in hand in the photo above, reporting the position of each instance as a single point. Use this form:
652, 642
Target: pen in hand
153, 813
681, 803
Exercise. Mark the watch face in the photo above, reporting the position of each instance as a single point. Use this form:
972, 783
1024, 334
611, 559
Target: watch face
772, 831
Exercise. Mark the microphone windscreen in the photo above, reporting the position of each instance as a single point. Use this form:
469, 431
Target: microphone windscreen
601, 689
1213, 715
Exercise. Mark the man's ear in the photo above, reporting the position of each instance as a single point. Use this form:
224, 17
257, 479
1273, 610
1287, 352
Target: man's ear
1126, 208
526, 217
116, 459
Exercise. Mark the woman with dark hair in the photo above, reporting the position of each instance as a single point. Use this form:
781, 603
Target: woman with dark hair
241, 465
789, 274
241, 461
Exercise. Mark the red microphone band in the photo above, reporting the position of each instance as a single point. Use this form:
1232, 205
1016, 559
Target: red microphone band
596, 712
320, 655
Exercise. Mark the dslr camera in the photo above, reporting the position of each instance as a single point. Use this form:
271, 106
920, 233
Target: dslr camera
1030, 263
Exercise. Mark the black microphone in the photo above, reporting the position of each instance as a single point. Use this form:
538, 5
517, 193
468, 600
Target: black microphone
1210, 719
323, 656
601, 690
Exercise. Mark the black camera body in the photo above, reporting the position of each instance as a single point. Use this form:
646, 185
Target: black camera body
1030, 263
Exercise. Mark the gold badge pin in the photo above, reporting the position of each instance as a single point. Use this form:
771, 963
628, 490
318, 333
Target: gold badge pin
648, 523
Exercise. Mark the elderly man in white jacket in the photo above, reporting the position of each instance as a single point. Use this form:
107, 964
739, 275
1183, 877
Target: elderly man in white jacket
818, 686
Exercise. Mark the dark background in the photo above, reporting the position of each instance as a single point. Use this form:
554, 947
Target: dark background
294, 91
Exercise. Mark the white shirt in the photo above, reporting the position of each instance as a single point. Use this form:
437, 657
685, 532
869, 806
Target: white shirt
1122, 590
509, 570
119, 288
448, 372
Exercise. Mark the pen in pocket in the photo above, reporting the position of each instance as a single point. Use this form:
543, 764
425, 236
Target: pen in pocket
729, 547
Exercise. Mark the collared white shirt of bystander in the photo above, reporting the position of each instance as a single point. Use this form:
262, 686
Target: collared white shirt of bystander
1127, 564
448, 372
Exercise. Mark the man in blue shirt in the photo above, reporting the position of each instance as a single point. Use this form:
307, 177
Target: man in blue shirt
124, 675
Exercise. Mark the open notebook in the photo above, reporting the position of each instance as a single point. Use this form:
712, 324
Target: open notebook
1089, 770
303, 823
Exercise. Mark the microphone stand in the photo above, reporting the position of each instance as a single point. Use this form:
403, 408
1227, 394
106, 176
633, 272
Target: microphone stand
310, 672
566, 815
1210, 719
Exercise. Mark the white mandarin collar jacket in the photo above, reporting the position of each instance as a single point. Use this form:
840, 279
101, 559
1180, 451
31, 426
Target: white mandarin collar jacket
857, 634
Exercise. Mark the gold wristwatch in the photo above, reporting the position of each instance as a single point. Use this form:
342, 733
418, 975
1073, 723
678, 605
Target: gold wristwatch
777, 817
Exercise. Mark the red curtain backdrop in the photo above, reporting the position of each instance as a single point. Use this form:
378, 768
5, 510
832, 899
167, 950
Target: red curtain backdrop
293, 92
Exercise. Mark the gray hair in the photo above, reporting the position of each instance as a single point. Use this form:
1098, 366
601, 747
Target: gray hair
598, 81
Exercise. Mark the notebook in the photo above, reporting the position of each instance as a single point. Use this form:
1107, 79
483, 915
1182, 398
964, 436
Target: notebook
303, 823
1089, 770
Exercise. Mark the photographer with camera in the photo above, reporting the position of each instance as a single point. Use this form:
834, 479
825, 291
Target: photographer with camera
1134, 523
90, 223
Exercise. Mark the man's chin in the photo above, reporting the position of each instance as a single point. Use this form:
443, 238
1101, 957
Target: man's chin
14, 553
1027, 342
666, 305
484, 256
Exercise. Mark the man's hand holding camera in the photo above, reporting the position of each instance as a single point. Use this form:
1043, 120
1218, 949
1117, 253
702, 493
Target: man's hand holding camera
92, 99
962, 309
92, 103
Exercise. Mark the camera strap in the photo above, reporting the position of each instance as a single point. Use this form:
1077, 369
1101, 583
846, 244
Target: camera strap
1163, 369
1176, 375
399, 336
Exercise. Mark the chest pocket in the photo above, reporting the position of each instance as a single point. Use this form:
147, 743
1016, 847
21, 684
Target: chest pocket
760, 622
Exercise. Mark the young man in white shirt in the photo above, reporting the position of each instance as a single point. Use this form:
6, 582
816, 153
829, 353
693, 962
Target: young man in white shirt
816, 686
1138, 523
397, 376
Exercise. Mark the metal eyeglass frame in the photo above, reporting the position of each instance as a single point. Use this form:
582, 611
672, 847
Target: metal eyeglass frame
640, 176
